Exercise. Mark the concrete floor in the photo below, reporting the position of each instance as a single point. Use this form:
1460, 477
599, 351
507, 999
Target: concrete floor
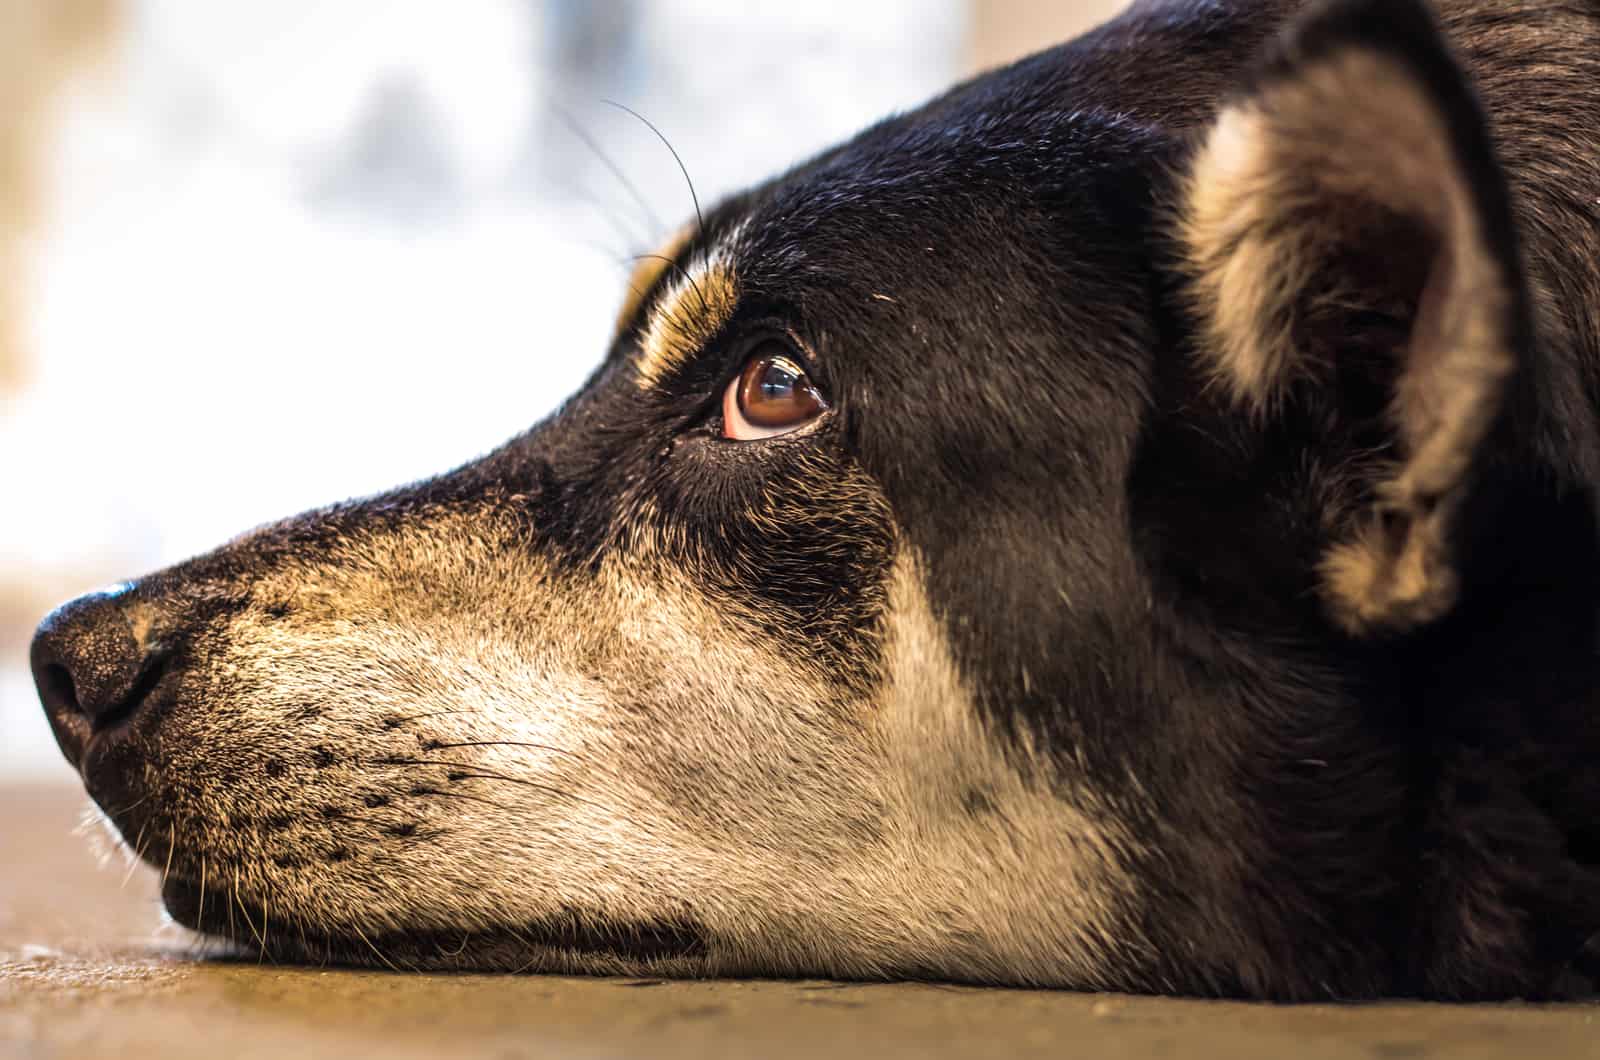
85, 973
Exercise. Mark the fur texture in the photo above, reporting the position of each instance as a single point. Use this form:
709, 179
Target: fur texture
1189, 586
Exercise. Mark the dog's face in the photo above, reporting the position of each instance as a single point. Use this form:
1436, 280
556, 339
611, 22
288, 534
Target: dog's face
923, 585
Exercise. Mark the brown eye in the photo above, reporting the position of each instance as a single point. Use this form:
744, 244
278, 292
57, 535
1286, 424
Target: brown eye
770, 396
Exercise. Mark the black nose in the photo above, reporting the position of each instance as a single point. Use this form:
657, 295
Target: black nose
94, 662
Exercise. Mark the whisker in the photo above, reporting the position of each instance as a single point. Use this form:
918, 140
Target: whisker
700, 295
468, 772
138, 855
200, 916
435, 714
172, 844
266, 911
605, 159
638, 297
465, 795
623, 231
699, 218
134, 805
374, 949
563, 752
305, 947
510, 743
243, 911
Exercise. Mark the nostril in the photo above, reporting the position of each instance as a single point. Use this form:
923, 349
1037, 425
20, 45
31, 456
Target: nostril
155, 668
57, 690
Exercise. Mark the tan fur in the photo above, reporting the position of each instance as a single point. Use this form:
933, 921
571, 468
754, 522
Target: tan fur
1262, 204
1372, 581
1282, 183
629, 747
647, 270
692, 310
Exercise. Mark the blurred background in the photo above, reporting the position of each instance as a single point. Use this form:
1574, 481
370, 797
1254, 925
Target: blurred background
256, 257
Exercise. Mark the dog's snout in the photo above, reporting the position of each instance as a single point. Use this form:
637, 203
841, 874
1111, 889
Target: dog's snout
94, 663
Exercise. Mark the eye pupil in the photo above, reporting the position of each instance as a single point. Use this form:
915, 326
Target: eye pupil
777, 382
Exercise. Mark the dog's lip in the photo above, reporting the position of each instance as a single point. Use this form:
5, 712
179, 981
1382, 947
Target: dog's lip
227, 916
114, 758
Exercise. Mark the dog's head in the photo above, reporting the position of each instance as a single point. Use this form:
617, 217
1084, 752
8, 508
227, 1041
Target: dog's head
965, 563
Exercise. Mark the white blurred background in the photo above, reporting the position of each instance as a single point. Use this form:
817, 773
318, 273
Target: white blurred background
256, 257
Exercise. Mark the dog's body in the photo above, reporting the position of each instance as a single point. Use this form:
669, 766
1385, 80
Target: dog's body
1128, 524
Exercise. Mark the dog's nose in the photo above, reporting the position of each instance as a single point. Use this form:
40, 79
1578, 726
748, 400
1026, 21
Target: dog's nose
94, 665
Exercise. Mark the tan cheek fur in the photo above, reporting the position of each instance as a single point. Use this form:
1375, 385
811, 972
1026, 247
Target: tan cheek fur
666, 760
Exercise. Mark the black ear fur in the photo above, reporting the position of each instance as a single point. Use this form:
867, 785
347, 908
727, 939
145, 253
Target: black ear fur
1347, 208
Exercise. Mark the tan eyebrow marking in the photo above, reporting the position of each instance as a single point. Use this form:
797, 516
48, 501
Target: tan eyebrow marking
699, 301
647, 270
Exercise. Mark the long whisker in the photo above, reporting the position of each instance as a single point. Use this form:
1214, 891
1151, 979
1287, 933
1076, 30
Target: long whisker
628, 235
172, 844
266, 911
135, 804
435, 714
699, 295
563, 752
138, 854
694, 197
466, 771
305, 947
606, 160
638, 295
200, 916
243, 911
547, 789
373, 948
463, 795
508, 743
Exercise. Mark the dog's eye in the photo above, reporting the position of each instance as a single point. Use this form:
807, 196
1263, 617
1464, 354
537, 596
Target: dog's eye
770, 396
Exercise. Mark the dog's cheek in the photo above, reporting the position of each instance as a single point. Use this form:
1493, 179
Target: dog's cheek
519, 743
795, 539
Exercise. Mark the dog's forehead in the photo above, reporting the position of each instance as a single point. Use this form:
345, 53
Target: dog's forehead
1010, 189
958, 168
907, 197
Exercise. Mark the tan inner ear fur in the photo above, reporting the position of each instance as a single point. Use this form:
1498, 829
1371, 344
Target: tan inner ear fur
1261, 220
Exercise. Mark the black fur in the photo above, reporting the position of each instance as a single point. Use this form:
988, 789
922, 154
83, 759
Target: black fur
1125, 566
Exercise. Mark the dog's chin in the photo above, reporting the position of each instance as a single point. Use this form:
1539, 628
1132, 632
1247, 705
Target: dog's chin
568, 942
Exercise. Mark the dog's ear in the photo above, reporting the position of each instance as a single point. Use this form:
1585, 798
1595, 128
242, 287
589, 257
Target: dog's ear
1345, 217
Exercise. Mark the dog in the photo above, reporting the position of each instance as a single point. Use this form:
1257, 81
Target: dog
1126, 525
